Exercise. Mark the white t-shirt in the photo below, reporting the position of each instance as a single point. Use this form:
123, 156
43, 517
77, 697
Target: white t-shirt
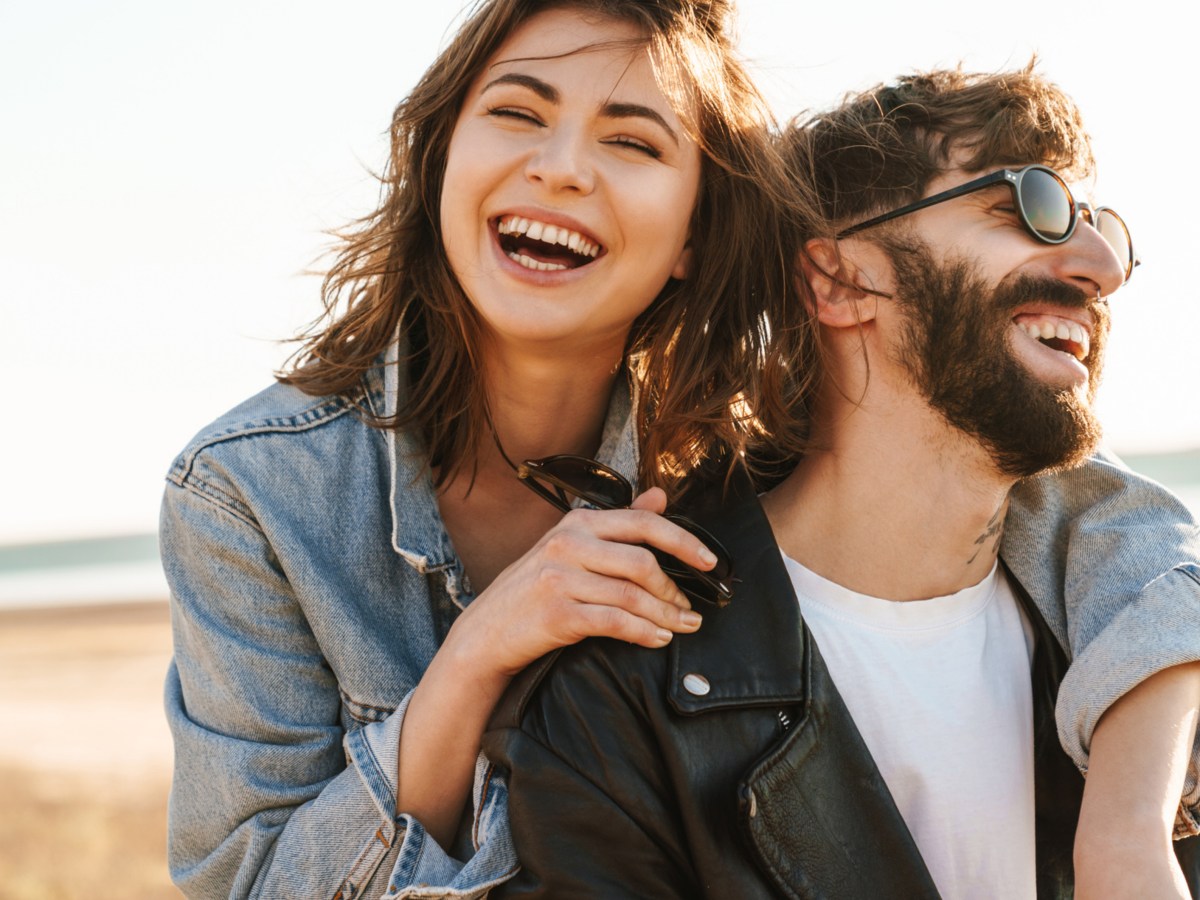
940, 690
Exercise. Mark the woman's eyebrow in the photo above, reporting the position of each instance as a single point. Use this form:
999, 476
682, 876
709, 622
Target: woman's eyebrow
546, 91
550, 94
635, 110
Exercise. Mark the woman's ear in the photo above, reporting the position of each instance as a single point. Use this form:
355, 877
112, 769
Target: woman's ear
683, 265
833, 275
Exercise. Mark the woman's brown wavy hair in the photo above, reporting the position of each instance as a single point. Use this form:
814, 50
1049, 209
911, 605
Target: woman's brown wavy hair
705, 354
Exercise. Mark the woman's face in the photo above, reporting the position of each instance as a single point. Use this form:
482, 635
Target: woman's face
569, 186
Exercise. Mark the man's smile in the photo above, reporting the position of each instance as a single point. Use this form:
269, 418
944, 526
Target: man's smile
1057, 332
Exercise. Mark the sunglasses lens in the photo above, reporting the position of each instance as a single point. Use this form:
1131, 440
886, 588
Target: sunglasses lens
586, 479
713, 586
1046, 204
1112, 229
695, 584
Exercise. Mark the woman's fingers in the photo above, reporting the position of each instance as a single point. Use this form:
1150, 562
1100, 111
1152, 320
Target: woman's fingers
627, 562
613, 605
654, 500
614, 622
641, 526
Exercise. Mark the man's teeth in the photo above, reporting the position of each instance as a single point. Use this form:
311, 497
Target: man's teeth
1045, 329
547, 234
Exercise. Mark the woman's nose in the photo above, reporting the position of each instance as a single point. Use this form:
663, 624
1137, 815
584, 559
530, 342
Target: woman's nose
563, 162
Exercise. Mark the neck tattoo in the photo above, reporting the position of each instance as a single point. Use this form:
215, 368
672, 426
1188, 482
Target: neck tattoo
990, 539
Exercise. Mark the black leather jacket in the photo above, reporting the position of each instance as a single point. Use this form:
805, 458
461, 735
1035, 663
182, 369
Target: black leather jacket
727, 766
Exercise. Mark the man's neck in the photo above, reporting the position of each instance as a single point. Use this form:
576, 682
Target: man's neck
900, 506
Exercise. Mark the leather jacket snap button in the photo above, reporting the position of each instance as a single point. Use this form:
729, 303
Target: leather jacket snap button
696, 684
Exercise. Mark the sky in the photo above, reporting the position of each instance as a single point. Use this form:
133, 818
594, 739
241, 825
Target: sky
169, 173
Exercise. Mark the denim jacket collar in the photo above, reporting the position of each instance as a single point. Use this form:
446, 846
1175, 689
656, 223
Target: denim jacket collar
418, 534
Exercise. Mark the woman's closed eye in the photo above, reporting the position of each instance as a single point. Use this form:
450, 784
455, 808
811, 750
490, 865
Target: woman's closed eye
514, 112
523, 114
633, 143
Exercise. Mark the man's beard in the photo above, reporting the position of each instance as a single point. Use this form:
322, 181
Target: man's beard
956, 349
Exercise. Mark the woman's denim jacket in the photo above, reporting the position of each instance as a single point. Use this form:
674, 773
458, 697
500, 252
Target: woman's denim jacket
312, 581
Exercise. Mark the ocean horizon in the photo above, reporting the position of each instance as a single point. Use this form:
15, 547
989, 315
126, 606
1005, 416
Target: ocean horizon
86, 571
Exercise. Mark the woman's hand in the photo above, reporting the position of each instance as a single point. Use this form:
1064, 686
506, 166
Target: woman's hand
588, 576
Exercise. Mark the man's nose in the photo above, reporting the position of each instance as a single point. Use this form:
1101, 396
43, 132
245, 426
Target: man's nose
1090, 261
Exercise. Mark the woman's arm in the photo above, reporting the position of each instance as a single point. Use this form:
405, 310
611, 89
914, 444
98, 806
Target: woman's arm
1113, 561
1139, 757
271, 797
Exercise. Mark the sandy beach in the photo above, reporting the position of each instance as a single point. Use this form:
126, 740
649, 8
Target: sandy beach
85, 755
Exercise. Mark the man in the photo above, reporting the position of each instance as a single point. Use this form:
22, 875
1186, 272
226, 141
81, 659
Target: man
892, 734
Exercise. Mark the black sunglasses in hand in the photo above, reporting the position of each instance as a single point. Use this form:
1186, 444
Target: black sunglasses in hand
560, 479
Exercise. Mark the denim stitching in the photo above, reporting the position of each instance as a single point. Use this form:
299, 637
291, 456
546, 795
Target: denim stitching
327, 410
1192, 570
363, 868
219, 499
364, 713
483, 795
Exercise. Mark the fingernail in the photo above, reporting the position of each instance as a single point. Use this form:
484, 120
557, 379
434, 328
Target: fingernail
691, 619
708, 556
664, 636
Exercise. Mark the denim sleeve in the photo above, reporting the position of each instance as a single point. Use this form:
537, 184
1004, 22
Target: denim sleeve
1113, 561
271, 797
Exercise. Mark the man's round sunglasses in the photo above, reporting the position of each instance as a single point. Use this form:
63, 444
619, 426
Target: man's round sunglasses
560, 479
1045, 204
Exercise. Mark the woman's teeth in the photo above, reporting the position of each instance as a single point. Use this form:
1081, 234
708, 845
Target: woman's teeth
530, 263
521, 238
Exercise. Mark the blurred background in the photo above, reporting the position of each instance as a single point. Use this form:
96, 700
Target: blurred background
168, 173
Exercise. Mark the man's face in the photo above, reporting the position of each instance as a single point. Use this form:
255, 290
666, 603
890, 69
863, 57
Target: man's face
1004, 335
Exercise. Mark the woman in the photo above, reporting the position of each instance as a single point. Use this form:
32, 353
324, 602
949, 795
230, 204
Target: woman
356, 573
572, 189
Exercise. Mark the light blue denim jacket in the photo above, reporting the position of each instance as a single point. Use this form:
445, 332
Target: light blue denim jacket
312, 581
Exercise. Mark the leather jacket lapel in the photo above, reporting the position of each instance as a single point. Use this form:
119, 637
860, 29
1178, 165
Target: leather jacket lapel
821, 819
749, 653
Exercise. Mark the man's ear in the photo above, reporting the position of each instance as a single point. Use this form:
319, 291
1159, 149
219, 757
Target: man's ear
832, 276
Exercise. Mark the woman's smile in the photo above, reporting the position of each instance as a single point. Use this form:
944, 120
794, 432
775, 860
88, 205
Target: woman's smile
544, 247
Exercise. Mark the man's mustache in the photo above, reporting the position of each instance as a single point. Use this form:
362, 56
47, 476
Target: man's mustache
1023, 289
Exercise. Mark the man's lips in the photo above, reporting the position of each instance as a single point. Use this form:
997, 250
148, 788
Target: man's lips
544, 246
